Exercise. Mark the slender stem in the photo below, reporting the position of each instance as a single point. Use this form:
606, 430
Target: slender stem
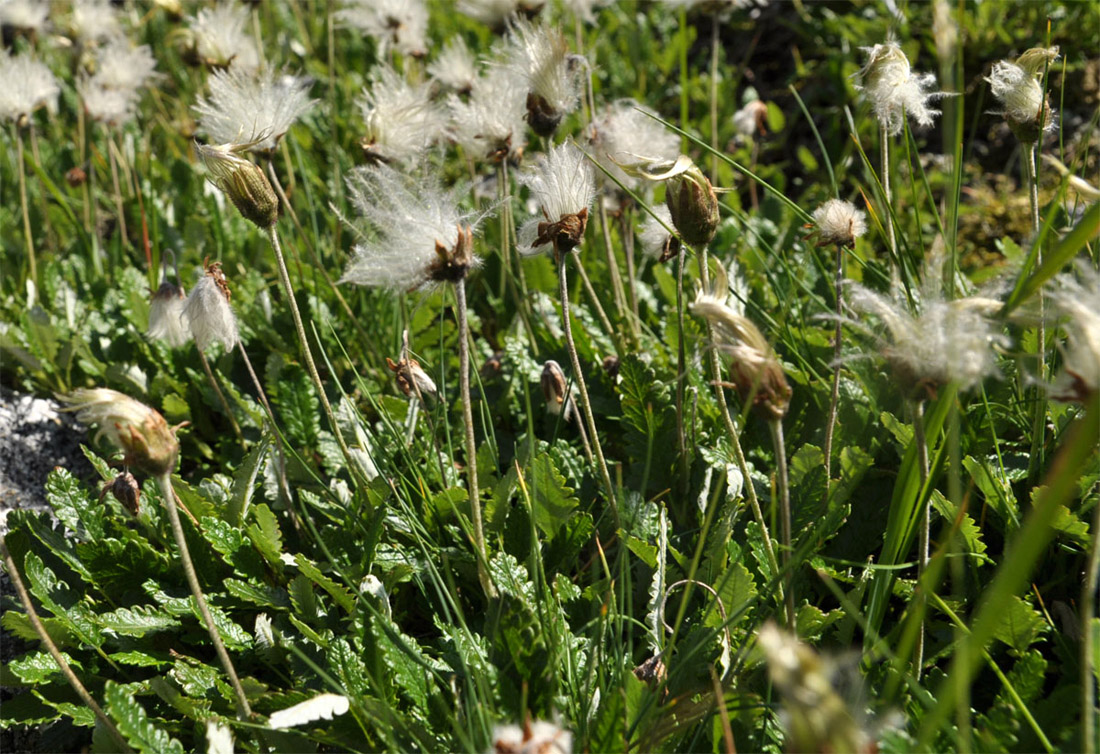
119, 209
783, 494
221, 396
834, 399
626, 229
595, 299
582, 389
165, 481
1089, 742
55, 653
471, 441
714, 41
612, 261
43, 206
1038, 426
747, 487
288, 289
27, 236
922, 462
681, 371
884, 172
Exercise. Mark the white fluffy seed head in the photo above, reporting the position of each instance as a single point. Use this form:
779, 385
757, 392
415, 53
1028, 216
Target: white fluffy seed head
93, 21
252, 107
839, 222
625, 135
535, 737
655, 233
1077, 300
25, 86
540, 54
562, 185
490, 123
894, 90
496, 13
398, 24
402, 122
1016, 86
27, 16
167, 320
454, 67
105, 105
120, 65
405, 221
222, 37
210, 316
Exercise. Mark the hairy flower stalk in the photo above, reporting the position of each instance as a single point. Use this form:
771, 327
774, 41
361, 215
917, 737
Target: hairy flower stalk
150, 445
421, 238
251, 193
562, 184
838, 223
759, 381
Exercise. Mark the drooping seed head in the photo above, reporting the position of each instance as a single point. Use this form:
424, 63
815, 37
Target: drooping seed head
145, 439
167, 320
411, 377
839, 223
1016, 85
895, 90
208, 313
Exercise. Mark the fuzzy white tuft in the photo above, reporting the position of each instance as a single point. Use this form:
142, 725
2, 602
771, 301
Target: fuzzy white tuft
400, 24
219, 738
222, 37
320, 707
492, 120
540, 54
1077, 299
210, 316
561, 183
24, 15
167, 320
894, 90
536, 737
625, 135
839, 222
405, 219
254, 108
496, 13
120, 65
25, 86
112, 107
655, 232
1016, 86
402, 121
454, 67
93, 21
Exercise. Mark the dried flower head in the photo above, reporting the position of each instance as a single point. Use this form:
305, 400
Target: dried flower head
454, 67
816, 717
755, 372
658, 239
401, 119
242, 181
25, 86
946, 341
691, 199
208, 312
624, 135
894, 90
26, 17
1077, 299
398, 24
751, 119
555, 391
94, 21
490, 123
120, 65
252, 107
562, 184
125, 489
167, 320
1017, 87
220, 37
418, 235
839, 222
112, 107
535, 737
145, 439
411, 378
540, 54
496, 13
320, 707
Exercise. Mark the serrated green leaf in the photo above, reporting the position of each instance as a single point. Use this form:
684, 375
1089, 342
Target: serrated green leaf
266, 536
81, 715
302, 597
20, 626
235, 545
141, 659
263, 595
38, 667
1020, 625
244, 482
552, 501
737, 590
136, 621
296, 401
118, 565
195, 709
134, 724
997, 491
25, 709
321, 640
60, 600
232, 634
649, 418
195, 678
969, 530
342, 596
73, 506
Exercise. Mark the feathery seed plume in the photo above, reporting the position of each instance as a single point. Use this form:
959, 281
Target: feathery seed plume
167, 320
94, 21
888, 81
252, 107
402, 121
25, 86
120, 65
454, 67
541, 55
320, 707
562, 184
625, 135
400, 24
535, 737
208, 312
491, 122
839, 222
141, 433
1016, 86
658, 242
221, 39
1077, 299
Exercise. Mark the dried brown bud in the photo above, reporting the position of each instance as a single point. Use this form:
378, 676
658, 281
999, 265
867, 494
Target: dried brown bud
451, 265
243, 182
693, 205
542, 116
411, 378
126, 490
492, 366
611, 366
566, 234
554, 389
76, 177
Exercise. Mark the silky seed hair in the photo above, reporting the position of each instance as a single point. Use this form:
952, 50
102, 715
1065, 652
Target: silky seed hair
894, 90
252, 107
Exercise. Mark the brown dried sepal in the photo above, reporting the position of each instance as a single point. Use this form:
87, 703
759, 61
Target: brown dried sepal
764, 387
451, 265
214, 270
566, 234
671, 249
410, 377
126, 490
542, 116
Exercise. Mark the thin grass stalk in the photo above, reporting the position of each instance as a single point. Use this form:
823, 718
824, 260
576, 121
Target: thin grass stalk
749, 490
1038, 423
582, 388
595, 299
1089, 742
244, 711
284, 277
221, 396
617, 290
471, 441
884, 170
119, 210
55, 653
834, 398
783, 496
27, 236
626, 230
917, 408
681, 370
